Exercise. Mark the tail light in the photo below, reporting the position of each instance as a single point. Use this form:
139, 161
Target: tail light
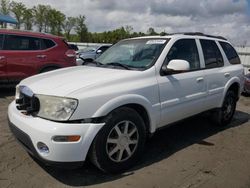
70, 53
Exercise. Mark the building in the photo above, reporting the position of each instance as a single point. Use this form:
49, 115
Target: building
244, 53
5, 19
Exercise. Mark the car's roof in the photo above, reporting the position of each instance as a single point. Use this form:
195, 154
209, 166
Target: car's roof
28, 33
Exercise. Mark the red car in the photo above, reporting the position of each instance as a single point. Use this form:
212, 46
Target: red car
247, 84
23, 54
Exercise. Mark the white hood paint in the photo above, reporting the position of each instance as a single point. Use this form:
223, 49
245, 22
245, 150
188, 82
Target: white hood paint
68, 80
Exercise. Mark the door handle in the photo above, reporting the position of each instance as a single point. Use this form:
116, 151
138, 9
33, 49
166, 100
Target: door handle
41, 56
227, 74
2, 57
200, 79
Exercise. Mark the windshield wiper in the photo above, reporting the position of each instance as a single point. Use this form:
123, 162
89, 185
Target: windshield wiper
119, 65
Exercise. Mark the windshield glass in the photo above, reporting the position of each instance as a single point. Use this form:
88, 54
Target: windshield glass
134, 53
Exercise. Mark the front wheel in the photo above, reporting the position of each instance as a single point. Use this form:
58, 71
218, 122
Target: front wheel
120, 143
224, 115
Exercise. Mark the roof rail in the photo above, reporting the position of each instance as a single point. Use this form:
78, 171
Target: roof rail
201, 34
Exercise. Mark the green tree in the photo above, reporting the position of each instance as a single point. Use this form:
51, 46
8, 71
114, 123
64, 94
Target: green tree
68, 25
55, 21
81, 29
151, 31
18, 9
41, 16
28, 19
5, 7
128, 29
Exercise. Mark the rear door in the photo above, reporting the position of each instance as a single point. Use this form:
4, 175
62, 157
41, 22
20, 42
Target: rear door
215, 72
22, 54
3, 72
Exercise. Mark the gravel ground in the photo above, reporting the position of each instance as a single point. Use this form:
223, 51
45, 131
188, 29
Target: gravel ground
193, 153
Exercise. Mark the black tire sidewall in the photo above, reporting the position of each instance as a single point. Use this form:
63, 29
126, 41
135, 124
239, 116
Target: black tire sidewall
223, 121
117, 116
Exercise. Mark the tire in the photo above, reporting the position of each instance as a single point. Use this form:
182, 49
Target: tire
120, 143
48, 69
224, 115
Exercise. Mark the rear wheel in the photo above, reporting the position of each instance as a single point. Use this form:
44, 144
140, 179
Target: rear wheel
224, 115
120, 143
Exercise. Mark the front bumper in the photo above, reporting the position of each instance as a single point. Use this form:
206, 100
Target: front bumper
30, 130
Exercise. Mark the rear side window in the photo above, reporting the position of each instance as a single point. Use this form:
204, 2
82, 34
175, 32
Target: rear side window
212, 55
15, 42
46, 44
230, 52
1, 41
185, 49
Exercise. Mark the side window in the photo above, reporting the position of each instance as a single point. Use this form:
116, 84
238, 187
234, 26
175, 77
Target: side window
14, 42
230, 52
1, 41
212, 55
46, 44
103, 48
185, 49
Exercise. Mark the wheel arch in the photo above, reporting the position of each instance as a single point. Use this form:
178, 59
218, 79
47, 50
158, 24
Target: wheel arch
41, 69
136, 102
232, 84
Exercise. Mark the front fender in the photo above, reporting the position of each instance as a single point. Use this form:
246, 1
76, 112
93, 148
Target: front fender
125, 100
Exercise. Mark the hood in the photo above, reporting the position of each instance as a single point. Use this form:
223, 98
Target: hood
65, 81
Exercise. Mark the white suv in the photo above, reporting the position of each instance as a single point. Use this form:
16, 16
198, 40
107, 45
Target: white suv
107, 108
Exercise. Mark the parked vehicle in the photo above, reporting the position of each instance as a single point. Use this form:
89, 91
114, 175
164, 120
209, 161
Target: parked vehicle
23, 54
74, 47
107, 108
91, 53
247, 84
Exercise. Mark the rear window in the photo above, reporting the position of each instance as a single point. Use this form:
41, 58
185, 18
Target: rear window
212, 55
1, 41
230, 52
46, 44
15, 42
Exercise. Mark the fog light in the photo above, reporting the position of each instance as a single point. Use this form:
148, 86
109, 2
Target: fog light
72, 138
43, 148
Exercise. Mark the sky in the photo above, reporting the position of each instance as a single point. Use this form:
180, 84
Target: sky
228, 18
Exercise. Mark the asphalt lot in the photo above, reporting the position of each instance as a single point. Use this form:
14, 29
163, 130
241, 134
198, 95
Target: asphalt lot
193, 153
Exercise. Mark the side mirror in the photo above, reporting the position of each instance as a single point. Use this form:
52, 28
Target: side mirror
176, 66
99, 51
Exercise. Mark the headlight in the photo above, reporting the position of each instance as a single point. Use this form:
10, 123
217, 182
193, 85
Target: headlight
56, 108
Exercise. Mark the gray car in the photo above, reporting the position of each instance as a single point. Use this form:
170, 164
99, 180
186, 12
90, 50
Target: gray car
91, 53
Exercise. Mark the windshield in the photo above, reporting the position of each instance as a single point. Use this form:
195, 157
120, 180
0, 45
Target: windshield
134, 53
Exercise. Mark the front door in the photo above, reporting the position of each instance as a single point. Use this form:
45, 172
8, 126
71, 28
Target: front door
183, 94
